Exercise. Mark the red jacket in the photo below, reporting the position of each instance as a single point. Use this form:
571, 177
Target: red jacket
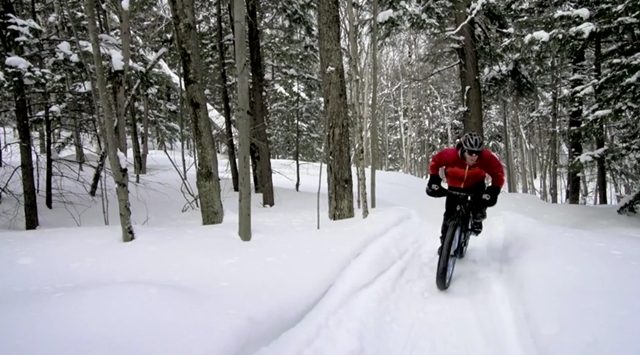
459, 174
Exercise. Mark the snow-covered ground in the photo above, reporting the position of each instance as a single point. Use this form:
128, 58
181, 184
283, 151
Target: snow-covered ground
541, 278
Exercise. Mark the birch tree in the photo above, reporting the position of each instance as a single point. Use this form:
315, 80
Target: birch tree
357, 109
375, 145
117, 159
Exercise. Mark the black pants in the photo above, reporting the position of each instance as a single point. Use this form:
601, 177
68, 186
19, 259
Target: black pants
478, 205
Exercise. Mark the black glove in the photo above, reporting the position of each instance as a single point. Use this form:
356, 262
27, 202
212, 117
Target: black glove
490, 195
434, 186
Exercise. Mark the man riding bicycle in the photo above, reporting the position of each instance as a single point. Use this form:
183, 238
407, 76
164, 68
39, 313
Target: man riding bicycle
465, 167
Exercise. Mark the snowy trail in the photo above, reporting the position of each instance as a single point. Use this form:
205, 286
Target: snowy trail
352, 295
542, 279
398, 310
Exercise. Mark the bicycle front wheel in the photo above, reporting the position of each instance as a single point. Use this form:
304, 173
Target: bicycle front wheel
447, 259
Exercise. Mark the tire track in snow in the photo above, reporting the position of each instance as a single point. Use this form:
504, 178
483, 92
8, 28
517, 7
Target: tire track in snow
500, 316
355, 291
386, 302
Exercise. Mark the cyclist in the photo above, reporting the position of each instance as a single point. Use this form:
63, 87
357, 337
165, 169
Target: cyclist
465, 167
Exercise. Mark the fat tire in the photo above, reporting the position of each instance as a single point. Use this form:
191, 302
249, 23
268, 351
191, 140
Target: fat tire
442, 281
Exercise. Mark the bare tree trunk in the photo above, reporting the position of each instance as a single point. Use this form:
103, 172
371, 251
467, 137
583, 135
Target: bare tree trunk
584, 189
469, 65
207, 169
385, 152
231, 150
543, 159
511, 176
340, 183
120, 79
575, 124
182, 133
408, 154
297, 153
42, 142
98, 173
259, 109
120, 174
553, 151
520, 143
77, 141
544, 189
243, 121
49, 158
599, 131
77, 136
357, 111
135, 144
145, 134
403, 139
118, 84
10, 45
375, 145
531, 159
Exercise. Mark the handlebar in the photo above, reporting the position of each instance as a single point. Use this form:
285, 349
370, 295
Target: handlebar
458, 193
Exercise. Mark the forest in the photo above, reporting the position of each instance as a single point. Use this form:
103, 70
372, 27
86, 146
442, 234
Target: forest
553, 87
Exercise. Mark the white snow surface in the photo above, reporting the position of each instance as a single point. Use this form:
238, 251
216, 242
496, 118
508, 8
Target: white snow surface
541, 278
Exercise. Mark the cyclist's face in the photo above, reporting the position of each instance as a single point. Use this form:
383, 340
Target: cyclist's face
471, 158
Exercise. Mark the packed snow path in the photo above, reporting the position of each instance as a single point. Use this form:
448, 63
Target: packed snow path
397, 309
534, 282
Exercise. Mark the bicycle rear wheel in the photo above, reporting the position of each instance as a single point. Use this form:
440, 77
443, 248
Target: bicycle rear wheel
447, 259
463, 246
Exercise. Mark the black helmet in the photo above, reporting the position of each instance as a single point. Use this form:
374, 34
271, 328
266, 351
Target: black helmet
472, 141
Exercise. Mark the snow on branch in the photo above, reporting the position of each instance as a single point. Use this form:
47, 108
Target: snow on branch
23, 26
583, 30
582, 13
540, 36
384, 16
17, 62
117, 61
630, 205
474, 10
